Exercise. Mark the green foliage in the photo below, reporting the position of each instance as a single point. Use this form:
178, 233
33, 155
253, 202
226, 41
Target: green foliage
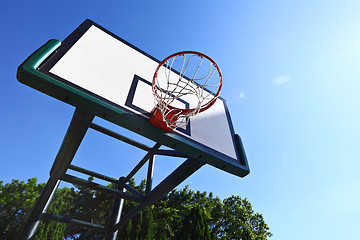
239, 221
195, 225
16, 202
140, 227
51, 229
182, 214
89, 206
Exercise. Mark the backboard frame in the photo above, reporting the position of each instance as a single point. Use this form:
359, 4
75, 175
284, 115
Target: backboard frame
34, 72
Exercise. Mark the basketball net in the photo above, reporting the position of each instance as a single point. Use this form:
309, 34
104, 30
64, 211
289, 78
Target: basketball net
184, 84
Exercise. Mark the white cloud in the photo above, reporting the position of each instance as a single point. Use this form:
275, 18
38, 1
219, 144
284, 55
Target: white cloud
281, 80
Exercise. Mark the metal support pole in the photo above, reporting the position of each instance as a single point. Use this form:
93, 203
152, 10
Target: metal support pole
116, 212
174, 179
150, 174
143, 161
40, 207
74, 135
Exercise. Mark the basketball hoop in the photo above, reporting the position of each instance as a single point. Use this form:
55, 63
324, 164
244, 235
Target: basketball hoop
184, 84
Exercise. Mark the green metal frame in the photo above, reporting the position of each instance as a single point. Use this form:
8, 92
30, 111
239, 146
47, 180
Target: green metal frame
79, 125
29, 75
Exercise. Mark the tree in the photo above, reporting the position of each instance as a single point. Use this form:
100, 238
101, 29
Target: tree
147, 226
239, 221
182, 214
195, 225
232, 218
59, 205
16, 202
89, 206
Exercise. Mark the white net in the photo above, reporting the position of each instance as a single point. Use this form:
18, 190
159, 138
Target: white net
185, 84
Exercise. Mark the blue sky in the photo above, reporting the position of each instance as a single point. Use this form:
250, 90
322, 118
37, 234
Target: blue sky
291, 79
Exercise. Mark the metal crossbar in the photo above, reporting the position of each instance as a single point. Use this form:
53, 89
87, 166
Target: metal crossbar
73, 221
93, 174
101, 188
